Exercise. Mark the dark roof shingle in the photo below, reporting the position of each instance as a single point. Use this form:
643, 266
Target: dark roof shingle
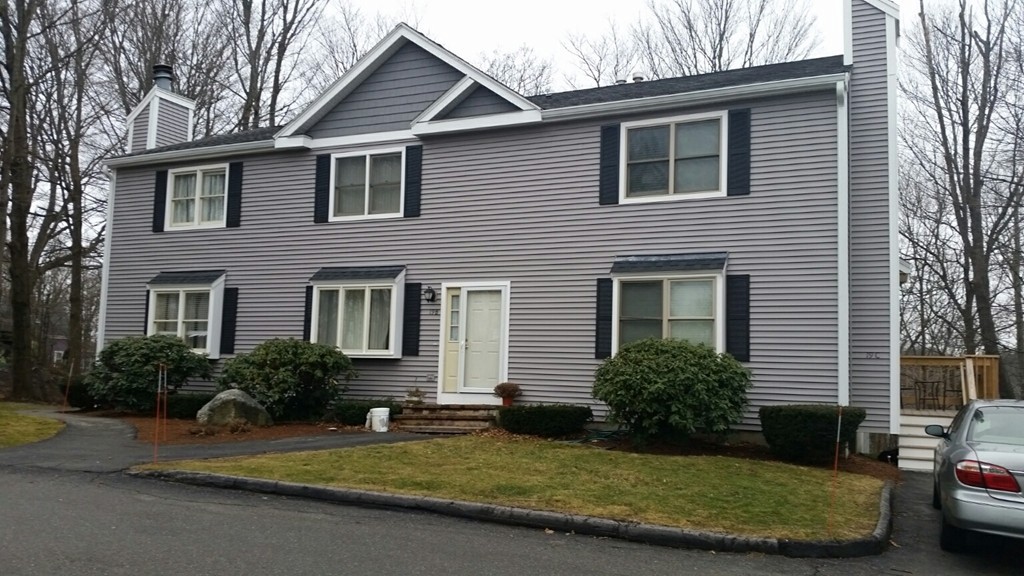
187, 277
358, 273
266, 133
670, 263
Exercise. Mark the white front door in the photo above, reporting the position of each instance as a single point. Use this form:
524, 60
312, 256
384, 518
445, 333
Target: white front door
473, 342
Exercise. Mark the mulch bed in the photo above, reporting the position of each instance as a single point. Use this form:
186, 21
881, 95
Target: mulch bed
189, 432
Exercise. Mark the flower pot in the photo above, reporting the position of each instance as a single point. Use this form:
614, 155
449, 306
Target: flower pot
507, 401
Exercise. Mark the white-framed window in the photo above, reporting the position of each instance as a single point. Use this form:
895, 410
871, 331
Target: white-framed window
674, 158
367, 184
363, 319
192, 313
685, 306
197, 197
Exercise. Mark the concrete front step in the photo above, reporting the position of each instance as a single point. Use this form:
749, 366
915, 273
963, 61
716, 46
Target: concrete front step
459, 409
445, 421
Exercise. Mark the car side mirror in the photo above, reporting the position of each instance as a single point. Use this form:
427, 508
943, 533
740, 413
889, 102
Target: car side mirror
936, 430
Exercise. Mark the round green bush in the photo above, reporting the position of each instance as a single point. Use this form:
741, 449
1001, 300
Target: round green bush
292, 379
126, 372
807, 432
656, 386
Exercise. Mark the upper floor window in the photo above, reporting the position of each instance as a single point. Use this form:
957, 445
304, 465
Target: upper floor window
686, 307
682, 157
367, 185
197, 197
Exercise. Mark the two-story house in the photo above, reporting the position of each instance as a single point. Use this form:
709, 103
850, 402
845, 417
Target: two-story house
449, 233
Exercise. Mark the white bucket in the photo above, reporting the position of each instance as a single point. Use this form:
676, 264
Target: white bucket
378, 418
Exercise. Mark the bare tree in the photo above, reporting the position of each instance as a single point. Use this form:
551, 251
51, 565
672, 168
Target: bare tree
343, 36
685, 37
521, 70
959, 75
269, 38
602, 59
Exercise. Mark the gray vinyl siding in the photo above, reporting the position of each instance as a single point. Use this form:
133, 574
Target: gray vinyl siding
171, 124
140, 130
521, 205
481, 102
401, 88
869, 219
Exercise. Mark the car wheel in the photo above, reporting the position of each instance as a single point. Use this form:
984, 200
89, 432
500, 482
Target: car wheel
936, 500
951, 538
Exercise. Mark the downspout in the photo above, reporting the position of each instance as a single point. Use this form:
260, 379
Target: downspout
101, 327
843, 241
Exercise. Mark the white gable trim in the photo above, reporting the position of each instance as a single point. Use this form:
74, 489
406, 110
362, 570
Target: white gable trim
448, 101
887, 6
377, 56
338, 141
154, 116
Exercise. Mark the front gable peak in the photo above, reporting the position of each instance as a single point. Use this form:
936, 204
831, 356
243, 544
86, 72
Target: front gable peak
437, 73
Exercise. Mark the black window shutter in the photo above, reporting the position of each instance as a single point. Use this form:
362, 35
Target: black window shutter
603, 340
737, 316
159, 200
234, 210
145, 317
411, 320
229, 318
739, 152
413, 180
609, 187
322, 192
307, 314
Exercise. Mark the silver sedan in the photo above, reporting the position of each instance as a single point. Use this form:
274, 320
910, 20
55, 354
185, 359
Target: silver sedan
979, 471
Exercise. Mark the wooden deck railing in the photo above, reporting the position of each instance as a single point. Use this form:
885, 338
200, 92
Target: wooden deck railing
946, 382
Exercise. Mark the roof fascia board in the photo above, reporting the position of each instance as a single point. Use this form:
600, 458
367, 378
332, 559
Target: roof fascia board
337, 141
477, 122
887, 6
450, 99
375, 57
654, 103
191, 154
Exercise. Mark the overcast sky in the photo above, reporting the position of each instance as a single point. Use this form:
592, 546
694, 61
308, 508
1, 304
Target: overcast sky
471, 27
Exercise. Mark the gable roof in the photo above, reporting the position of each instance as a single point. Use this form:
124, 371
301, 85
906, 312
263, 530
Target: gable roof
352, 78
681, 85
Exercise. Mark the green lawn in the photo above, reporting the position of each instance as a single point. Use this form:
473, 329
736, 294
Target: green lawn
719, 494
16, 429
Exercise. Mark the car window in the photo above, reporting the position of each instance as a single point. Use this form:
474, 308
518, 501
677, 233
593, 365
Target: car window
997, 424
958, 420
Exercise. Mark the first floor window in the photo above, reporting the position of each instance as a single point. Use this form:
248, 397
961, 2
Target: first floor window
357, 319
367, 185
683, 308
197, 197
185, 314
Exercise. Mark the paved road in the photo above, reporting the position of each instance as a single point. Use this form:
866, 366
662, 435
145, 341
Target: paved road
58, 517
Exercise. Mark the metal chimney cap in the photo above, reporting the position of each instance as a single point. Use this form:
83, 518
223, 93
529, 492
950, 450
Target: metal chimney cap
163, 76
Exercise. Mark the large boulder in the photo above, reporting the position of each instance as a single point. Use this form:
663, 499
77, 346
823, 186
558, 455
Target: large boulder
231, 406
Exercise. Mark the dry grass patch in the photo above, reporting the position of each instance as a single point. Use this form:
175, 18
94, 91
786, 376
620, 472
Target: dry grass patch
720, 494
17, 428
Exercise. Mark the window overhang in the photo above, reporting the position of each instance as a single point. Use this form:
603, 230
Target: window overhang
362, 274
177, 279
669, 263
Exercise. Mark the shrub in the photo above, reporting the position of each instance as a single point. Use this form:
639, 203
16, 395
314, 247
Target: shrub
544, 420
656, 386
352, 412
292, 379
78, 395
807, 432
125, 374
184, 405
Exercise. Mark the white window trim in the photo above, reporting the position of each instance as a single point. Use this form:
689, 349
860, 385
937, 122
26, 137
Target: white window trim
723, 154
195, 225
367, 153
719, 291
213, 320
397, 286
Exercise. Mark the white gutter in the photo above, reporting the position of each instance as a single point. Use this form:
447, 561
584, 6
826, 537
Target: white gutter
192, 153
843, 241
715, 95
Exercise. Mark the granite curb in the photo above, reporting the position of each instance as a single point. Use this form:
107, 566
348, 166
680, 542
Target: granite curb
874, 544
